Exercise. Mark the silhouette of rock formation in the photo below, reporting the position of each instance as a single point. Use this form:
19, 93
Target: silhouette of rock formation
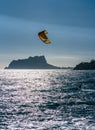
86, 66
36, 62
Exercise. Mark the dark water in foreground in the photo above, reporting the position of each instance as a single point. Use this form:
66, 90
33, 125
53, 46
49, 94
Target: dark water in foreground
47, 100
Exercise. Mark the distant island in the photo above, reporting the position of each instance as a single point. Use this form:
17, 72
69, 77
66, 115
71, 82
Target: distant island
40, 62
36, 62
86, 66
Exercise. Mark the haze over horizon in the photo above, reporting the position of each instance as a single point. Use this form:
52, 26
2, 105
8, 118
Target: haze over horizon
70, 25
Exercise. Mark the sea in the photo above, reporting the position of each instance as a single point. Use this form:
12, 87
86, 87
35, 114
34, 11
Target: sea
47, 99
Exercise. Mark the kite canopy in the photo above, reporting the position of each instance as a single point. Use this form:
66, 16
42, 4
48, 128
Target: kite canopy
43, 37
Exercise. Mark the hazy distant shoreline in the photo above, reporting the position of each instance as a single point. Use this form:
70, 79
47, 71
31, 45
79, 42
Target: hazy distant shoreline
40, 62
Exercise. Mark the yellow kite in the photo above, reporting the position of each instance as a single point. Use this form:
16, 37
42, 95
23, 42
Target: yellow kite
43, 37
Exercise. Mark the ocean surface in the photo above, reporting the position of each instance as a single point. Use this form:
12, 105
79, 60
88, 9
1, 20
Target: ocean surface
47, 100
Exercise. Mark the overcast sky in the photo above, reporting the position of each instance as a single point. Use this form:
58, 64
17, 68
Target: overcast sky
70, 25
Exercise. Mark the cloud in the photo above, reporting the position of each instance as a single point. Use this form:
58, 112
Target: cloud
63, 12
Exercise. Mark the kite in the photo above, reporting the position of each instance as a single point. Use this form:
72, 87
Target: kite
43, 37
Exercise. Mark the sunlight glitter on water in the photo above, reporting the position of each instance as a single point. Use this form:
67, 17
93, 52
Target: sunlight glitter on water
46, 99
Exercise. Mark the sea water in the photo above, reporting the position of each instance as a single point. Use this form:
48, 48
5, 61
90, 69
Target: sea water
47, 100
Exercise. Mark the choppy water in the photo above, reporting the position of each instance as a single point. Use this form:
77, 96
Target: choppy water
47, 100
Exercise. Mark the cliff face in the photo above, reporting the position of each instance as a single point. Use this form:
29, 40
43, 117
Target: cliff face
86, 66
37, 62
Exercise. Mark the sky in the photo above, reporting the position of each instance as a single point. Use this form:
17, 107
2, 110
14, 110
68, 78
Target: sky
70, 25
